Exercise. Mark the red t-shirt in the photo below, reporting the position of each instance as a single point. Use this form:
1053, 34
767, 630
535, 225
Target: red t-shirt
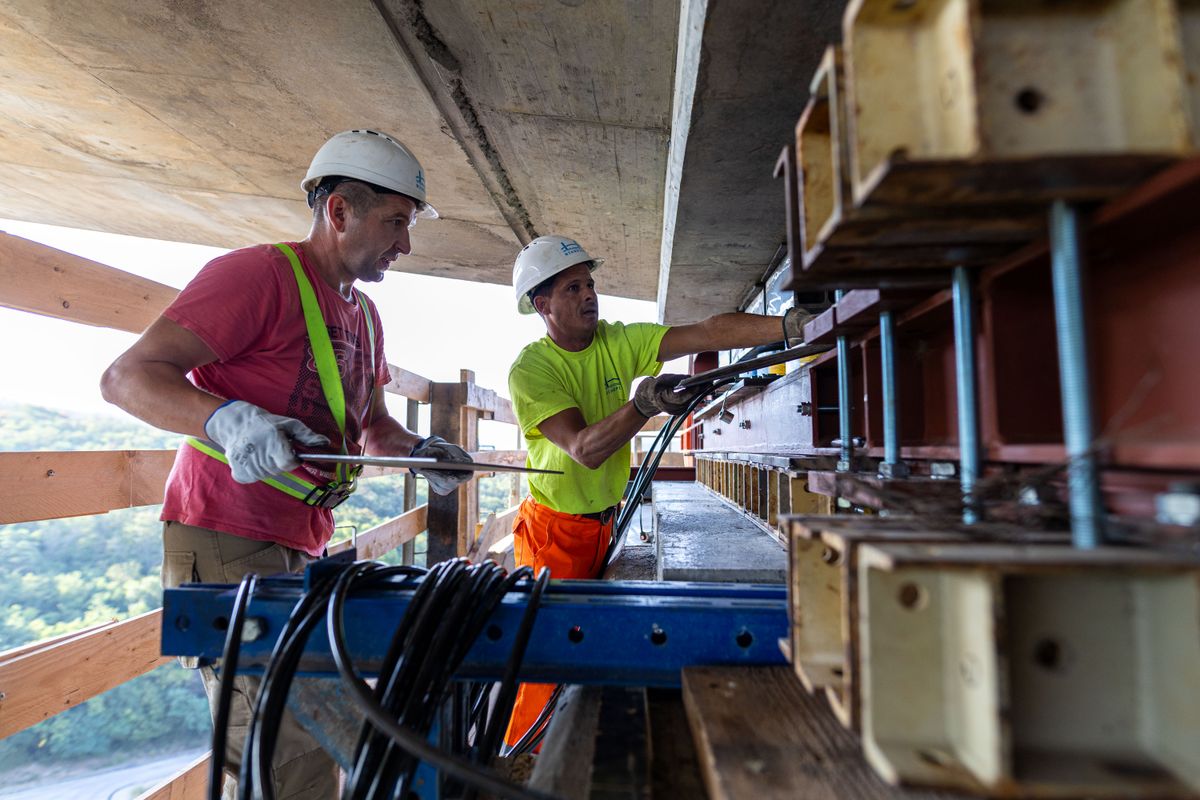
245, 306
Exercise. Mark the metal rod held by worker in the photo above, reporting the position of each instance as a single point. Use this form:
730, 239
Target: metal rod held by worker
1082, 479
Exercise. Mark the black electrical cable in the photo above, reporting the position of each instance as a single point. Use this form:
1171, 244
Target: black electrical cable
229, 659
508, 685
538, 729
645, 474
409, 740
256, 779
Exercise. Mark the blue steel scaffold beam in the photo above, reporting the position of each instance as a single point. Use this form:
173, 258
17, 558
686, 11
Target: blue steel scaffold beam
634, 633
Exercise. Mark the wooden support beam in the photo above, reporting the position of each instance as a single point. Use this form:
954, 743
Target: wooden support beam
46, 281
191, 784
387, 536
408, 384
51, 484
37, 684
494, 528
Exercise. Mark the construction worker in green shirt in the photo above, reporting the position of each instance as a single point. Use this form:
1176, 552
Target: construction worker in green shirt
571, 393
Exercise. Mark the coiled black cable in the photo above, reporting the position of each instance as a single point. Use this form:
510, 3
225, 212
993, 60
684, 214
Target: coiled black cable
229, 659
413, 741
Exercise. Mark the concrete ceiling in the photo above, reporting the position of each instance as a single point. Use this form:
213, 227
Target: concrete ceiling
194, 121
750, 63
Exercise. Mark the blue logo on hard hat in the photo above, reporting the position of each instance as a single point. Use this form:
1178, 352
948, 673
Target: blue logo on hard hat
421, 179
570, 248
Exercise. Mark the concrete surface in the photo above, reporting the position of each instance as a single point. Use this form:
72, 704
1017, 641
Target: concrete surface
755, 61
699, 538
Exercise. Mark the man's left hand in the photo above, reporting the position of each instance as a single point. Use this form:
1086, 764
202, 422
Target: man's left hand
442, 481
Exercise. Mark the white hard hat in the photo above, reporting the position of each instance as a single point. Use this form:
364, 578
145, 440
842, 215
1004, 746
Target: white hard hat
374, 158
541, 259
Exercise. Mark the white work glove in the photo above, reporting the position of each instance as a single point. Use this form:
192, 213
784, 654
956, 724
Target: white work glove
257, 443
794, 320
442, 481
658, 396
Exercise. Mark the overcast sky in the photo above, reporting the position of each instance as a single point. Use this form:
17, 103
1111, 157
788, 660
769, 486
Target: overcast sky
433, 326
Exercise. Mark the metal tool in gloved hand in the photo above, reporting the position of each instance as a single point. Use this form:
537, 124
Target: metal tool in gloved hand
663, 395
441, 481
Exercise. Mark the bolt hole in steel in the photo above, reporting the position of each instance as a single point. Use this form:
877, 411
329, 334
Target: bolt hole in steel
1029, 100
745, 639
494, 633
831, 556
838, 671
575, 635
221, 623
1048, 654
912, 596
658, 636
182, 622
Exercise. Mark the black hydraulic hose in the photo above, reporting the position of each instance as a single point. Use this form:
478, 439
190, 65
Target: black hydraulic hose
411, 741
229, 659
645, 474
508, 685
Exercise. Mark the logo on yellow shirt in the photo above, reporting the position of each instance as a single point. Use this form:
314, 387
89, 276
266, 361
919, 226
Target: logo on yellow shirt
612, 385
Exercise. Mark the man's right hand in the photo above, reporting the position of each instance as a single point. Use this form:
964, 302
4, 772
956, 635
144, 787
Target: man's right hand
257, 443
658, 396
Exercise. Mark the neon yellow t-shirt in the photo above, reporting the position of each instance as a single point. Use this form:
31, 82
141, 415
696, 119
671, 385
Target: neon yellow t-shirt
545, 379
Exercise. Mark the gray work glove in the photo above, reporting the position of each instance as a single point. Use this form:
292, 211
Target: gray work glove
258, 443
442, 481
658, 395
794, 320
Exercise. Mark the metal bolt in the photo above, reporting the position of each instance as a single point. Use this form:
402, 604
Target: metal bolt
804, 409
253, 629
744, 424
1179, 505
49, 473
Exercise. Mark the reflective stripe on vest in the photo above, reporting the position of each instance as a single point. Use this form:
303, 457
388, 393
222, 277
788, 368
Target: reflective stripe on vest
331, 387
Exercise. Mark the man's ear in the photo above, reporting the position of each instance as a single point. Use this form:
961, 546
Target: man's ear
539, 304
336, 211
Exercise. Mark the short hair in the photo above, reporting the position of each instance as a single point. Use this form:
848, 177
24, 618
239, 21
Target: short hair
360, 196
543, 289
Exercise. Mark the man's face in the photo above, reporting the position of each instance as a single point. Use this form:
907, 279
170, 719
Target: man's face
572, 305
375, 238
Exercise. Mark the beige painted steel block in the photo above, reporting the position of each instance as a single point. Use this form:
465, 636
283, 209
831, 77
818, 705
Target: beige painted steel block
981, 101
838, 236
823, 599
1027, 671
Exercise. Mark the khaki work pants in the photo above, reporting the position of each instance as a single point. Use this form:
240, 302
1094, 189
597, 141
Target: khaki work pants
302, 770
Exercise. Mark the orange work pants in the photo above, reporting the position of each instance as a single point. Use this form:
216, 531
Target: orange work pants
569, 545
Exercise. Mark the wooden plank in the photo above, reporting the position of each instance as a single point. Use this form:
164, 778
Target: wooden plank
494, 528
191, 784
387, 536
759, 735
54, 484
408, 384
16, 652
46, 281
39, 684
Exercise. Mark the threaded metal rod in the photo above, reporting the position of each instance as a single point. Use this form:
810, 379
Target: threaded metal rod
891, 400
968, 409
843, 376
1066, 269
